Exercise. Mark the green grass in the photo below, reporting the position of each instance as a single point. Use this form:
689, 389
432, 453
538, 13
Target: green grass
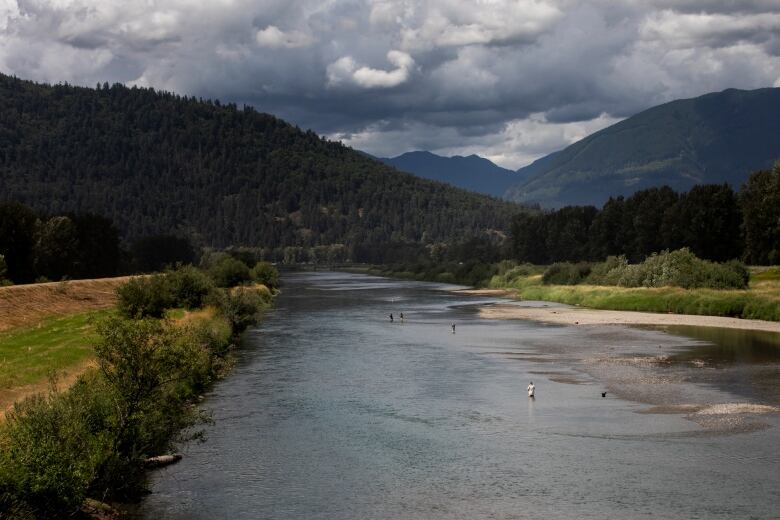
771, 274
709, 302
175, 314
30, 355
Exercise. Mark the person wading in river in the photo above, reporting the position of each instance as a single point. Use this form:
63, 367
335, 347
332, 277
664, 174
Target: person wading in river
531, 390
391, 317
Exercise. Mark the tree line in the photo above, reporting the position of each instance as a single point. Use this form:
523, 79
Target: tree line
36, 247
713, 221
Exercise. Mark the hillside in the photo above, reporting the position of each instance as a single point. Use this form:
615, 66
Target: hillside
472, 173
716, 138
156, 162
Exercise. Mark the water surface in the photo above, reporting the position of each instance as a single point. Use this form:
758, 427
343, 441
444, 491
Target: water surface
334, 412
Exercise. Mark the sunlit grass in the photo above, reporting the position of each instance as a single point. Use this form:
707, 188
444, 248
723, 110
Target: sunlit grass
29, 355
771, 274
761, 301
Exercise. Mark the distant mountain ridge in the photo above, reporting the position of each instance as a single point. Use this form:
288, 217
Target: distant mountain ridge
473, 173
715, 138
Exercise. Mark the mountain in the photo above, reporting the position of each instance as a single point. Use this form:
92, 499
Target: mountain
471, 173
716, 138
156, 162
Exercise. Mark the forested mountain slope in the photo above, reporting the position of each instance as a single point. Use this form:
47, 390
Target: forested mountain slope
473, 173
712, 139
156, 162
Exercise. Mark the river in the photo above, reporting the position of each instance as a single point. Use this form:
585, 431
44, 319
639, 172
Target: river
334, 412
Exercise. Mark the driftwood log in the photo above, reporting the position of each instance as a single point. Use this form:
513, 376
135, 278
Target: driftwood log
162, 460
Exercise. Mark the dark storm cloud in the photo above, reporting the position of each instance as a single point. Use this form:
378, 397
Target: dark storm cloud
509, 79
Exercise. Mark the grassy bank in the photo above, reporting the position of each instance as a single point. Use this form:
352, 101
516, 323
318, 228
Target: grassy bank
27, 305
170, 338
30, 355
748, 304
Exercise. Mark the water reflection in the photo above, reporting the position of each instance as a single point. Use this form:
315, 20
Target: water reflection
727, 346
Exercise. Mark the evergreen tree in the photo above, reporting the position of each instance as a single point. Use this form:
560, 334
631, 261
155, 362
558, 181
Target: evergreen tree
56, 248
17, 238
760, 202
706, 220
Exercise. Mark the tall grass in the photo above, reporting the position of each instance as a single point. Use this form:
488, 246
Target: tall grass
708, 302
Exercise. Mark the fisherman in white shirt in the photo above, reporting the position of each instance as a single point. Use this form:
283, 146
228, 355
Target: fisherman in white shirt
531, 389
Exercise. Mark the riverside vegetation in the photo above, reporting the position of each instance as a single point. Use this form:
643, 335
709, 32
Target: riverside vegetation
660, 251
670, 281
170, 338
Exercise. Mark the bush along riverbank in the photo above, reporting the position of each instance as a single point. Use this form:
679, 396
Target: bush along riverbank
66, 453
676, 282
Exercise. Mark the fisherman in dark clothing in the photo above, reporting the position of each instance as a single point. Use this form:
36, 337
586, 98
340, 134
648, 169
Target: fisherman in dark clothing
391, 317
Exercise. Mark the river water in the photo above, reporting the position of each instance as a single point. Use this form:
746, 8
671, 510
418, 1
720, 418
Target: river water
334, 412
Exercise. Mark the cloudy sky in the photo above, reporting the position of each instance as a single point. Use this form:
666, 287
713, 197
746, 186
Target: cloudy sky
508, 80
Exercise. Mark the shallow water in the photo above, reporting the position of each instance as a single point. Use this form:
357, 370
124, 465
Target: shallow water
334, 412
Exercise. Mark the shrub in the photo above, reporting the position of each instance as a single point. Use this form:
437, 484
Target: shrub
266, 274
55, 447
681, 268
565, 273
504, 266
240, 306
92, 440
445, 277
608, 272
212, 333
475, 273
188, 286
144, 297
229, 272
513, 275
149, 367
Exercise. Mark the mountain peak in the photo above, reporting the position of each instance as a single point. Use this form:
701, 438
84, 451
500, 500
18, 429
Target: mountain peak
714, 138
471, 172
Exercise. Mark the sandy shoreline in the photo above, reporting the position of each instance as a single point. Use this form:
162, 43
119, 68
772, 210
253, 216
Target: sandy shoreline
566, 315
579, 316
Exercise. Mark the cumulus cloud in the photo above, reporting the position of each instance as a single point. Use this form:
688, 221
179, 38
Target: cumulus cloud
457, 23
710, 30
345, 71
508, 79
273, 37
